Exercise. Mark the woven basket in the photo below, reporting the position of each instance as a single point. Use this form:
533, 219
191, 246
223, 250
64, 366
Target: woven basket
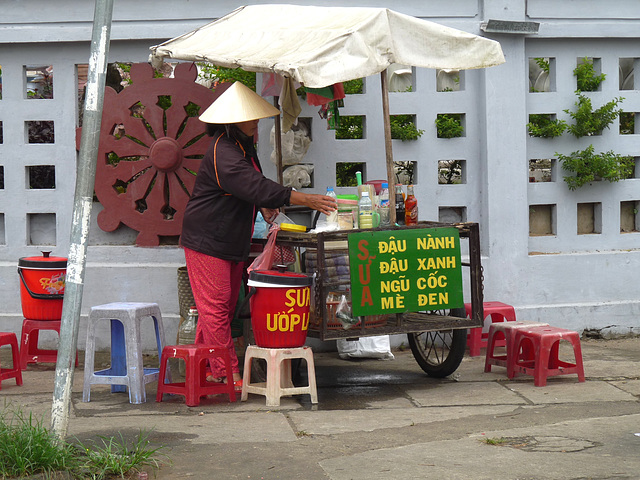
185, 294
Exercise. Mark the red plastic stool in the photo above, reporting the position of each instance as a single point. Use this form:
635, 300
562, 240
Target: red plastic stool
10, 339
499, 312
544, 343
195, 385
29, 351
505, 332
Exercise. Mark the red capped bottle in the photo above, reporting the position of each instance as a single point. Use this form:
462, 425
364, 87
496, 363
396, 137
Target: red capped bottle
411, 207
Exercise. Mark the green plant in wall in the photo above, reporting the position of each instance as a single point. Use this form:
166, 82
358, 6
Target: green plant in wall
587, 78
588, 121
543, 125
403, 128
627, 123
351, 127
449, 125
405, 169
456, 81
346, 173
543, 63
354, 87
224, 74
588, 166
449, 172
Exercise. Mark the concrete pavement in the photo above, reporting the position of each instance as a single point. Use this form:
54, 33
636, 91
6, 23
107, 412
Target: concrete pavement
387, 420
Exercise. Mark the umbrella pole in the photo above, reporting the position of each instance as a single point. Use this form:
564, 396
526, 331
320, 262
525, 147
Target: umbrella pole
278, 143
391, 176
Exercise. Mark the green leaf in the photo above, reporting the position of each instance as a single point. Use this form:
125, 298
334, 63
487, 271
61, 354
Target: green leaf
586, 166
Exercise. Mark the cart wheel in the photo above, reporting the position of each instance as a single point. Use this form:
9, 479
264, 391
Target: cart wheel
439, 353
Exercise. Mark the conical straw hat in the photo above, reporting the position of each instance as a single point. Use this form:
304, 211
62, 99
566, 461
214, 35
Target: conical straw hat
238, 104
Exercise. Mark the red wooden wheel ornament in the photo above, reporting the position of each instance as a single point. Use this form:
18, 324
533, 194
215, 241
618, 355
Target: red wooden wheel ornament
151, 146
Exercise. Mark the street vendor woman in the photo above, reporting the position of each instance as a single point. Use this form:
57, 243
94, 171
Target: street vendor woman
229, 191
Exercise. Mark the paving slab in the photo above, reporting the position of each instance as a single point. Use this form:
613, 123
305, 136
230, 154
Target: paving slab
571, 391
630, 386
465, 393
203, 428
588, 449
336, 422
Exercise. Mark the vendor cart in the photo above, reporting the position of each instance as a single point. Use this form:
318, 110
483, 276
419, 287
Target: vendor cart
322, 46
437, 337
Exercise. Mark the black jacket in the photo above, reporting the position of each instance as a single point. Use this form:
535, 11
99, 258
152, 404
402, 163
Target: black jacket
229, 190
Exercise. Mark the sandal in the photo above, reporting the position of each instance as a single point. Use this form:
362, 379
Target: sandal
237, 384
210, 378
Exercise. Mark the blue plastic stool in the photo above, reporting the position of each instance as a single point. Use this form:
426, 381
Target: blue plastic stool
127, 370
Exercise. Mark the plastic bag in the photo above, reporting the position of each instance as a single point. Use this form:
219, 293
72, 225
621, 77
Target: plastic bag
365, 347
295, 144
297, 176
343, 313
264, 261
261, 227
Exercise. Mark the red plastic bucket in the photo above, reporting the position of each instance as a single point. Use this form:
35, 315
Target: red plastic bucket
42, 281
279, 308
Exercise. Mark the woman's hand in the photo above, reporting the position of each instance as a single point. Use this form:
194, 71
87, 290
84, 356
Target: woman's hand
322, 203
269, 214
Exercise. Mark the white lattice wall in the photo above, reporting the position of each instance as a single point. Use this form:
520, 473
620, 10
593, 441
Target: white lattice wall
576, 281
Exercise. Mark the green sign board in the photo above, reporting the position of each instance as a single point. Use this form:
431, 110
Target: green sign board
410, 270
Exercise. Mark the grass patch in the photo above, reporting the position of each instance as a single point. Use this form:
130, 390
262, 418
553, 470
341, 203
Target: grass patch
28, 448
495, 441
114, 457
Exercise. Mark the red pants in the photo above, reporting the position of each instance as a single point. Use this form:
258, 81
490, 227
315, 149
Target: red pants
215, 284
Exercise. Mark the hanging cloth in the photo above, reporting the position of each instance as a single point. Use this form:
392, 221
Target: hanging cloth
322, 96
290, 105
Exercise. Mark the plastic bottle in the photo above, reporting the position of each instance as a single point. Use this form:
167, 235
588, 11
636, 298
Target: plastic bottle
411, 207
187, 333
399, 205
187, 329
385, 219
333, 217
365, 211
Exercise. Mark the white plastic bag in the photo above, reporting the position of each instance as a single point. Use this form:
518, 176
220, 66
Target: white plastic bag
365, 347
297, 176
295, 144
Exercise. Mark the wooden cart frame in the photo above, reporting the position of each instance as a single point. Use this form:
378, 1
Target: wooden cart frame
439, 354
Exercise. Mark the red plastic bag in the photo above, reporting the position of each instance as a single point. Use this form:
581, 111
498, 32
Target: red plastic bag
265, 260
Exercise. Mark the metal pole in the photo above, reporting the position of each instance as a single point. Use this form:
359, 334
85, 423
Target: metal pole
278, 143
85, 178
391, 175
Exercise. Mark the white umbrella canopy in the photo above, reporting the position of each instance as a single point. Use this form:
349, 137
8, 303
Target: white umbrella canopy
320, 46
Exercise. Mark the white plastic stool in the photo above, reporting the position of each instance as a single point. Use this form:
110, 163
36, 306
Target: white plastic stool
127, 370
278, 374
